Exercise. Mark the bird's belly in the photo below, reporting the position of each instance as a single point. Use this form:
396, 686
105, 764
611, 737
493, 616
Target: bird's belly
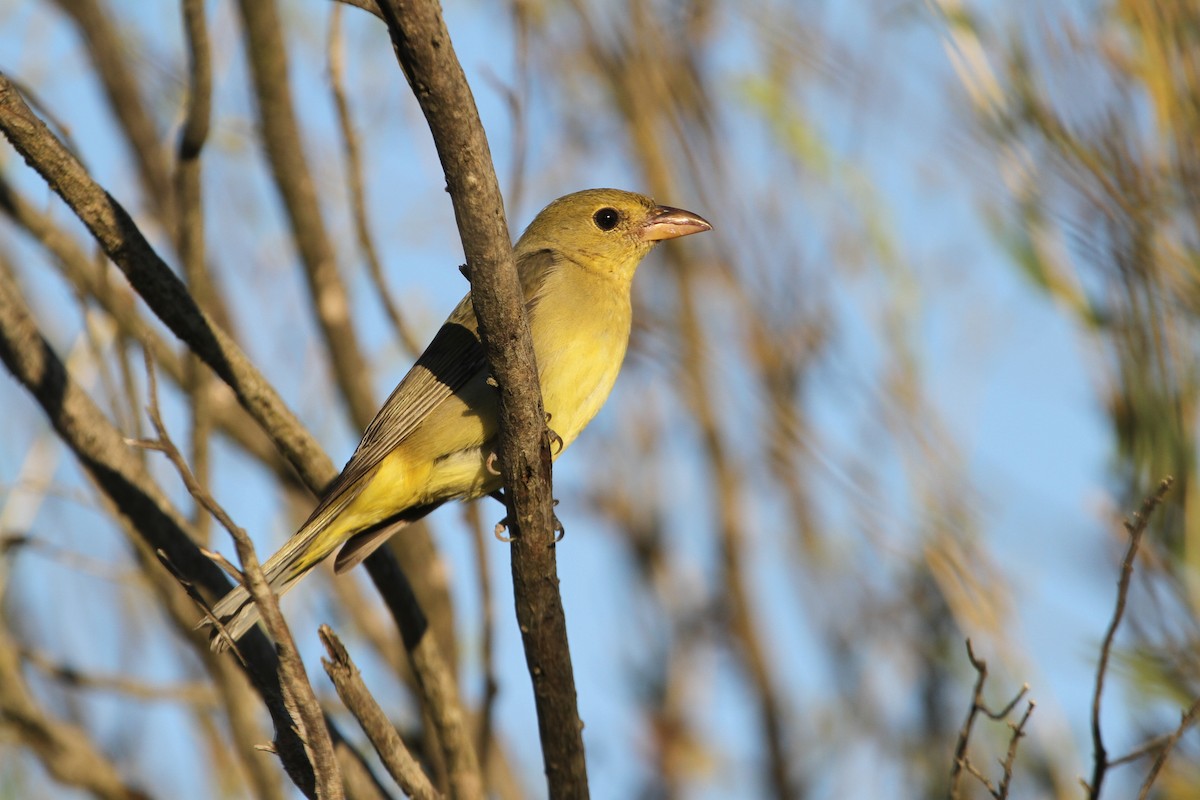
577, 378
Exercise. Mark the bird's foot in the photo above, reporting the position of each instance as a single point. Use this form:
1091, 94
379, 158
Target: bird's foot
554, 438
501, 531
555, 523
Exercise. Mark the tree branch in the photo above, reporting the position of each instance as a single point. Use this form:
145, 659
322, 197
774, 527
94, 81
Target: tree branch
266, 54
293, 679
435, 678
387, 742
120, 474
120, 239
427, 57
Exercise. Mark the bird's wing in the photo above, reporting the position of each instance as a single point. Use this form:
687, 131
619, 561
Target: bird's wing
452, 359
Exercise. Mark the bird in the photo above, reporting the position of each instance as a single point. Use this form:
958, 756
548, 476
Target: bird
434, 439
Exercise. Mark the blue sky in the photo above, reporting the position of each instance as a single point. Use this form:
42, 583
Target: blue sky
1010, 379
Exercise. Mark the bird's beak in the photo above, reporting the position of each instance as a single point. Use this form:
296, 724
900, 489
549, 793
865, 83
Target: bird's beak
671, 223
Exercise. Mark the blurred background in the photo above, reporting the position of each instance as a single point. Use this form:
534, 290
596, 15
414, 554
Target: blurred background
941, 342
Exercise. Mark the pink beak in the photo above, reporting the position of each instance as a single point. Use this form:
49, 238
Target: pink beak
671, 223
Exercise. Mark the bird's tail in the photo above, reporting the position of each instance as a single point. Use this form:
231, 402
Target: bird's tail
238, 613
311, 545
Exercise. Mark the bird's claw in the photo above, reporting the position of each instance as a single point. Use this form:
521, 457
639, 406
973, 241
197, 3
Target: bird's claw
490, 465
556, 525
554, 438
499, 532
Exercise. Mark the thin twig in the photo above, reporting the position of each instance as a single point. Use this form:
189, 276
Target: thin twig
293, 677
1010, 758
266, 54
335, 49
962, 762
384, 738
1136, 527
1187, 720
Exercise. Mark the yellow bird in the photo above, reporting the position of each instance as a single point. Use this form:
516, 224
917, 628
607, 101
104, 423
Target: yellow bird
434, 438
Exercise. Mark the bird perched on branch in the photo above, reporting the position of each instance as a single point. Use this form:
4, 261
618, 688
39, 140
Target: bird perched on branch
435, 437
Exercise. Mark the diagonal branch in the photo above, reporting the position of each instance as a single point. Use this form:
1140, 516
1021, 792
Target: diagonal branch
267, 55
120, 239
121, 475
427, 57
109, 55
297, 691
396, 757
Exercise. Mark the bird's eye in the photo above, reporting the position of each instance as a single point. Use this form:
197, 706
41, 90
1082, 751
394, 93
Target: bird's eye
606, 218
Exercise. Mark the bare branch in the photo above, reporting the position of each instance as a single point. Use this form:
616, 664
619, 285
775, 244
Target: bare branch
435, 679
427, 57
335, 48
1010, 758
266, 54
1187, 720
387, 742
112, 227
1136, 526
962, 762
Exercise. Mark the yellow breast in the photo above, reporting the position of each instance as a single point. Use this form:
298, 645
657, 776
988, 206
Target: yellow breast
580, 333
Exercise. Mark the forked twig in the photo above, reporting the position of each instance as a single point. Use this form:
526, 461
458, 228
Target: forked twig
962, 762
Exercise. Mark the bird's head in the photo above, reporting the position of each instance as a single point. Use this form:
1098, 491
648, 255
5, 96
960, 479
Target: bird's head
607, 230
